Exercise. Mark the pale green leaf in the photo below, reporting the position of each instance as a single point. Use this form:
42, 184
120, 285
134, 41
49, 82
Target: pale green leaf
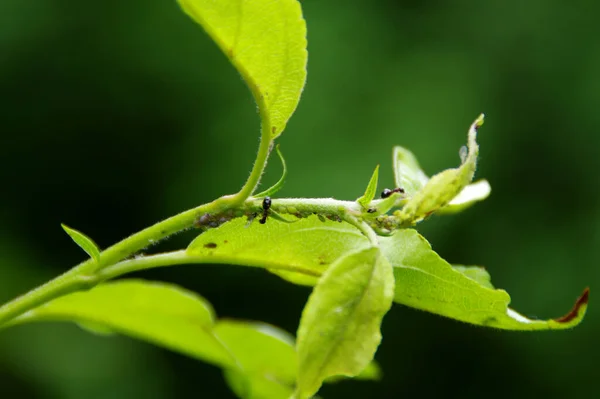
476, 273
160, 313
339, 330
472, 193
84, 242
444, 186
266, 357
256, 387
425, 281
261, 357
277, 186
370, 191
407, 172
309, 244
371, 373
266, 41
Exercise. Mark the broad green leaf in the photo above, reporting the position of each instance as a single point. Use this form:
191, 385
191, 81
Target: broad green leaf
444, 186
369, 194
261, 357
308, 244
425, 281
160, 313
339, 330
84, 242
407, 172
266, 41
277, 186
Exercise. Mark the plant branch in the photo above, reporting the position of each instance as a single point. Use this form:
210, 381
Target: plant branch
183, 257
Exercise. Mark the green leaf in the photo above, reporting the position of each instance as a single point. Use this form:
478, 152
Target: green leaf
160, 313
262, 356
84, 242
339, 329
252, 387
472, 193
477, 273
407, 172
266, 41
426, 281
309, 245
277, 186
371, 190
444, 186
259, 360
266, 356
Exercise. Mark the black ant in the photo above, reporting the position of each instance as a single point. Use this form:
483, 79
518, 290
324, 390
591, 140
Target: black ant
387, 192
266, 205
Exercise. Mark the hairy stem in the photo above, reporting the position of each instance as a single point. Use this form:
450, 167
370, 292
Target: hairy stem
183, 257
111, 264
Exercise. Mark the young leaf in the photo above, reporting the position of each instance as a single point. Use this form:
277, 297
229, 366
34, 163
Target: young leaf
339, 329
476, 273
266, 41
444, 186
472, 193
308, 244
426, 281
407, 172
277, 186
84, 242
369, 194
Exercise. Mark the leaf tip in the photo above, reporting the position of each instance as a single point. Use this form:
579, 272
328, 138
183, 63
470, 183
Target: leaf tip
578, 309
479, 121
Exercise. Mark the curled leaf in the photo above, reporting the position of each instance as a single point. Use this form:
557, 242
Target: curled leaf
446, 192
277, 186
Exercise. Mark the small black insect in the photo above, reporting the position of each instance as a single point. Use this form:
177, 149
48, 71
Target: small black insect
266, 205
387, 192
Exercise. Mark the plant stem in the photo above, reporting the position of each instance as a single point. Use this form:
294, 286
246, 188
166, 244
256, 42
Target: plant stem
184, 257
82, 276
89, 273
259, 166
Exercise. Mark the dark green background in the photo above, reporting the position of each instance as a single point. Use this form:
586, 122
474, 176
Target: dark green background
116, 114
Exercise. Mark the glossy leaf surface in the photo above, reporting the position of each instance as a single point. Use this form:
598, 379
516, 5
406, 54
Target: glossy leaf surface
266, 41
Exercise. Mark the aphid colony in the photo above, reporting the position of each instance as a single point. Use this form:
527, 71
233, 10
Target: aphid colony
207, 220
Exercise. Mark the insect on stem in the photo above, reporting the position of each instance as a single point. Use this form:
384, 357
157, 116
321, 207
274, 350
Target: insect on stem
266, 205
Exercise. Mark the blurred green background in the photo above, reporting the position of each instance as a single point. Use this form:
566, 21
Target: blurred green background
117, 114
